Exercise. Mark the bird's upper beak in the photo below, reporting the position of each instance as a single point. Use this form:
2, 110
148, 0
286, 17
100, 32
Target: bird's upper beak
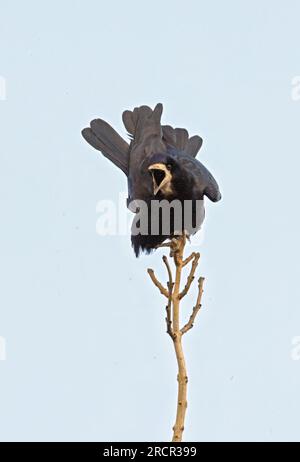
161, 176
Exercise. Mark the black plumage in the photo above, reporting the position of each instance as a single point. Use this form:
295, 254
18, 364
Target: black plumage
160, 165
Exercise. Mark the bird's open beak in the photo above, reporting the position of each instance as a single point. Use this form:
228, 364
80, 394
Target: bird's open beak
161, 176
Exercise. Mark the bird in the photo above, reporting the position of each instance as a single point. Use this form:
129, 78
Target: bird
166, 183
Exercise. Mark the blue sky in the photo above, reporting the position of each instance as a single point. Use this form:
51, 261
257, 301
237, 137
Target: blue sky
87, 357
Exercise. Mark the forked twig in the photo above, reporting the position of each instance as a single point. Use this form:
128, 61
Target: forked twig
156, 282
191, 276
196, 308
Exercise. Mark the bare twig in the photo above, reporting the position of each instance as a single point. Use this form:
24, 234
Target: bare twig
188, 259
169, 305
196, 308
174, 297
166, 262
169, 319
191, 276
156, 282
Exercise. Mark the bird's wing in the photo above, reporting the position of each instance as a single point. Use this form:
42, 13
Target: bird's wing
178, 138
204, 182
211, 188
104, 138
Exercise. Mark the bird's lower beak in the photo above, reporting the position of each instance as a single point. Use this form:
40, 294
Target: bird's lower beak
161, 176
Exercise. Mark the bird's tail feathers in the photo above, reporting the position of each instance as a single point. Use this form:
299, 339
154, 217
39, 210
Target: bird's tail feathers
143, 122
179, 139
193, 145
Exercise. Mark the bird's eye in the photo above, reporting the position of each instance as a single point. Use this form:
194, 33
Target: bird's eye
169, 166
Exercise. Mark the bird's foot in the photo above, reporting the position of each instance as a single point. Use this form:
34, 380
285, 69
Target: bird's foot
167, 244
174, 244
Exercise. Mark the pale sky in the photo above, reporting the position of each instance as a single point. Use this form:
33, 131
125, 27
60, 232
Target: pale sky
87, 356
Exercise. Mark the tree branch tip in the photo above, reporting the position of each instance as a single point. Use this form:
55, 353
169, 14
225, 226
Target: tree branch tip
201, 281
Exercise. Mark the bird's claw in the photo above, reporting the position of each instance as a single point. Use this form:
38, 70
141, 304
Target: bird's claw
173, 245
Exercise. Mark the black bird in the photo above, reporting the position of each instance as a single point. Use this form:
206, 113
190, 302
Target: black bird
162, 172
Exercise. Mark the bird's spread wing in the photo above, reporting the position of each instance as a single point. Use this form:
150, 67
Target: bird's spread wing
204, 183
104, 138
211, 189
148, 136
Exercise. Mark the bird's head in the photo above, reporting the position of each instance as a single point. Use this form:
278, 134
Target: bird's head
162, 169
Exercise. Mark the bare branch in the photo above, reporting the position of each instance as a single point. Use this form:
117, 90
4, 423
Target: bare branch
156, 282
166, 262
196, 308
169, 306
169, 319
188, 259
191, 276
